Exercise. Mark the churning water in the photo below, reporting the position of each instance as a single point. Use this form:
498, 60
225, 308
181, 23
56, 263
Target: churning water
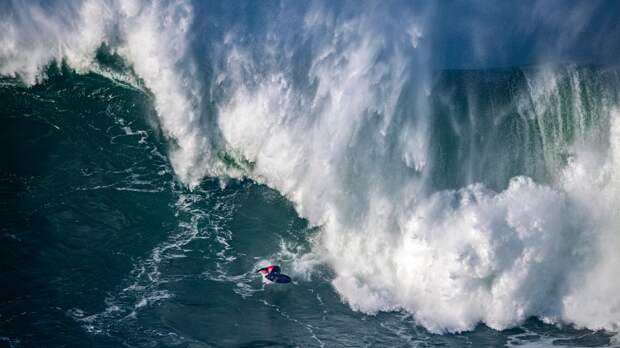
155, 154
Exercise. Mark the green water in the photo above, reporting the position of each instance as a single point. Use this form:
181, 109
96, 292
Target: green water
101, 246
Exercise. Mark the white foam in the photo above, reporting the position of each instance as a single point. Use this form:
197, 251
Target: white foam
151, 36
352, 164
594, 301
340, 149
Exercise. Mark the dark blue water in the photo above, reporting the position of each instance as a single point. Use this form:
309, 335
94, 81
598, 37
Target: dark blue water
439, 174
102, 246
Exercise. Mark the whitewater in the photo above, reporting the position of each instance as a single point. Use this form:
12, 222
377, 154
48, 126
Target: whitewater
455, 219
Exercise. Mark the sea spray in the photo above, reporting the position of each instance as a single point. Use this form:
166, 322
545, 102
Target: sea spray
452, 258
153, 37
337, 115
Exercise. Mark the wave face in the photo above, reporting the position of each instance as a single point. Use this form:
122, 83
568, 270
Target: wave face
458, 196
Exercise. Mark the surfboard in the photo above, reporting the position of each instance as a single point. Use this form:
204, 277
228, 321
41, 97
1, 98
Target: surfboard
282, 279
271, 274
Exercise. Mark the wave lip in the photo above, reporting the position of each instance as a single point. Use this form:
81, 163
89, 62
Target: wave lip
152, 37
345, 136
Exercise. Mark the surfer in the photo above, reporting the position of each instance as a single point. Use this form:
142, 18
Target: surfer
271, 274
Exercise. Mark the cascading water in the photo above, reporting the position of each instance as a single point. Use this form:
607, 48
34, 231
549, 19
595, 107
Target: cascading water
455, 196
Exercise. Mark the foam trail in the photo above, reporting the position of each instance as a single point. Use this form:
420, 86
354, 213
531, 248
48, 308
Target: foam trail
344, 134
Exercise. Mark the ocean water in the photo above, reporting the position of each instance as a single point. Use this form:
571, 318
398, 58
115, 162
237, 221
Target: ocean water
156, 154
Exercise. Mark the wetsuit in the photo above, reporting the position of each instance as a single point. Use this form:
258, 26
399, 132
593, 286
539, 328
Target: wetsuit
270, 272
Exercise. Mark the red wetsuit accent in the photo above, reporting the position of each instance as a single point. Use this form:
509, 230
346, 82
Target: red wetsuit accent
269, 269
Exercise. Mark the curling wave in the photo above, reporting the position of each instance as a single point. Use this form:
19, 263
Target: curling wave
459, 197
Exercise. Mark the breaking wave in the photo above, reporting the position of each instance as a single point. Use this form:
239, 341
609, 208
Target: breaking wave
457, 196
